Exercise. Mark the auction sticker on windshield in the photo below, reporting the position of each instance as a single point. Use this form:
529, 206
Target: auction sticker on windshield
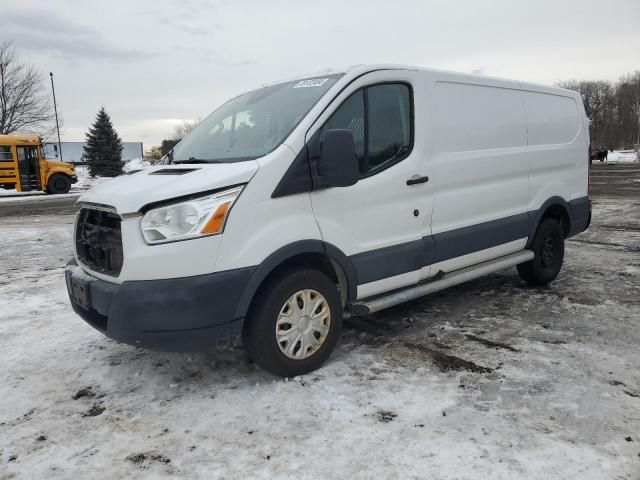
311, 82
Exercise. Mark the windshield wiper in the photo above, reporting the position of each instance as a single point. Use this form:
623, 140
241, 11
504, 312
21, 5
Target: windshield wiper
197, 160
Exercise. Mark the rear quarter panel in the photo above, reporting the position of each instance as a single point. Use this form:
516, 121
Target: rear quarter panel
557, 145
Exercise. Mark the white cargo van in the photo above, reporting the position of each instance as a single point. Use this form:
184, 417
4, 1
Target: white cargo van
345, 191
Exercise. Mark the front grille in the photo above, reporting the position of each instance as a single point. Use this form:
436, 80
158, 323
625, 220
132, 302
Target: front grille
99, 241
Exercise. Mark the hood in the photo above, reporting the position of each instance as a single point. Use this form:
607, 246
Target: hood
55, 163
130, 192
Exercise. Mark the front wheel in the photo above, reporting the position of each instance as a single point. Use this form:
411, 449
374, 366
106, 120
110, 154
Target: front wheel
58, 183
548, 247
294, 323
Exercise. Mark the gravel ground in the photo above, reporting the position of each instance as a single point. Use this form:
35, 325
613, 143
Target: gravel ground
491, 379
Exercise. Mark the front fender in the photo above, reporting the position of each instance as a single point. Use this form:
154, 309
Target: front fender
287, 252
66, 171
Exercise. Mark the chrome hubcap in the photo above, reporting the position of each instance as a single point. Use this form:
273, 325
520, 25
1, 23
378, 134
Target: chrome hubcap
303, 324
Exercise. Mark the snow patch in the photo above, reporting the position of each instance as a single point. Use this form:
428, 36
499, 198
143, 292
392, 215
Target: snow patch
621, 156
136, 164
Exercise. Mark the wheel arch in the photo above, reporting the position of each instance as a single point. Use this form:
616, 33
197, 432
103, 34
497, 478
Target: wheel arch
58, 170
554, 207
311, 253
54, 173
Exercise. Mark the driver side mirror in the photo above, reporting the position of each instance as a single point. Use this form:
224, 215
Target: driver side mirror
338, 165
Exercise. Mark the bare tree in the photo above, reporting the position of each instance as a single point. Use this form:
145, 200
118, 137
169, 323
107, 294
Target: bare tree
612, 109
184, 129
629, 108
24, 105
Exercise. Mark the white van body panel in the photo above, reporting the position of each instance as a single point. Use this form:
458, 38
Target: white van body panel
146, 187
558, 139
481, 170
259, 225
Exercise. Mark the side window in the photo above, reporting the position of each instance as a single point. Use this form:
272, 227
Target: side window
379, 118
350, 116
389, 124
5, 153
27, 153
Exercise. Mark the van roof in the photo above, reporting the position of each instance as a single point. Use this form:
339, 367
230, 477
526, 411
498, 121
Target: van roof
349, 69
357, 70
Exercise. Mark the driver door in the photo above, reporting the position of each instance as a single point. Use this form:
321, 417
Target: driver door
379, 221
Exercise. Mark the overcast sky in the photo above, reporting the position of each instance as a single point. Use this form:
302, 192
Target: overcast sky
155, 63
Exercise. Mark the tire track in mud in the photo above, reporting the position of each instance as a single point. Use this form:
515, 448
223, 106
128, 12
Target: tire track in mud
626, 248
621, 228
446, 362
490, 343
382, 333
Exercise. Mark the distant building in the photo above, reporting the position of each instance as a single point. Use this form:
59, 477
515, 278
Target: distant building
73, 152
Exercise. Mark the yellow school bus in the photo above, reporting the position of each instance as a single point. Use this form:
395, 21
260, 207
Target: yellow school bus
24, 167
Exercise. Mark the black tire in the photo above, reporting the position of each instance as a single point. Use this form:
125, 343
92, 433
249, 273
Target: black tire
548, 247
58, 183
259, 334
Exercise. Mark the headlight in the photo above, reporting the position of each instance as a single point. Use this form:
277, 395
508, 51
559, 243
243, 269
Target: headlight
189, 219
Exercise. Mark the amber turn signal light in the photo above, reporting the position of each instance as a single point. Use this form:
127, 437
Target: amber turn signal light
216, 222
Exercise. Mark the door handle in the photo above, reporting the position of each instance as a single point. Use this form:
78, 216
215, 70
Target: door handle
416, 179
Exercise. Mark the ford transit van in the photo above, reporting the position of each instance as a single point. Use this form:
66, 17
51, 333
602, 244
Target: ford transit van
343, 192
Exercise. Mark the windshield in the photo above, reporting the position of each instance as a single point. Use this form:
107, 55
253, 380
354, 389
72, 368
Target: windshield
253, 124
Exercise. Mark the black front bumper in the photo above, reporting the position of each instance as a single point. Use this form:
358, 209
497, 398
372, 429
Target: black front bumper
74, 179
180, 314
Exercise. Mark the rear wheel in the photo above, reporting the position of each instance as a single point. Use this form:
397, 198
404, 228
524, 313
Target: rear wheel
548, 247
294, 323
58, 183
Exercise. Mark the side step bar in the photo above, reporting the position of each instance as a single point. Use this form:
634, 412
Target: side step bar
374, 304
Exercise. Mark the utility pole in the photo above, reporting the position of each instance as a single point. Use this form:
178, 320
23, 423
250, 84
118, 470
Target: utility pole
55, 109
636, 147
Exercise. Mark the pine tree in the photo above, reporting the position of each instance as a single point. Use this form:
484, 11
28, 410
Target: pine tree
103, 151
